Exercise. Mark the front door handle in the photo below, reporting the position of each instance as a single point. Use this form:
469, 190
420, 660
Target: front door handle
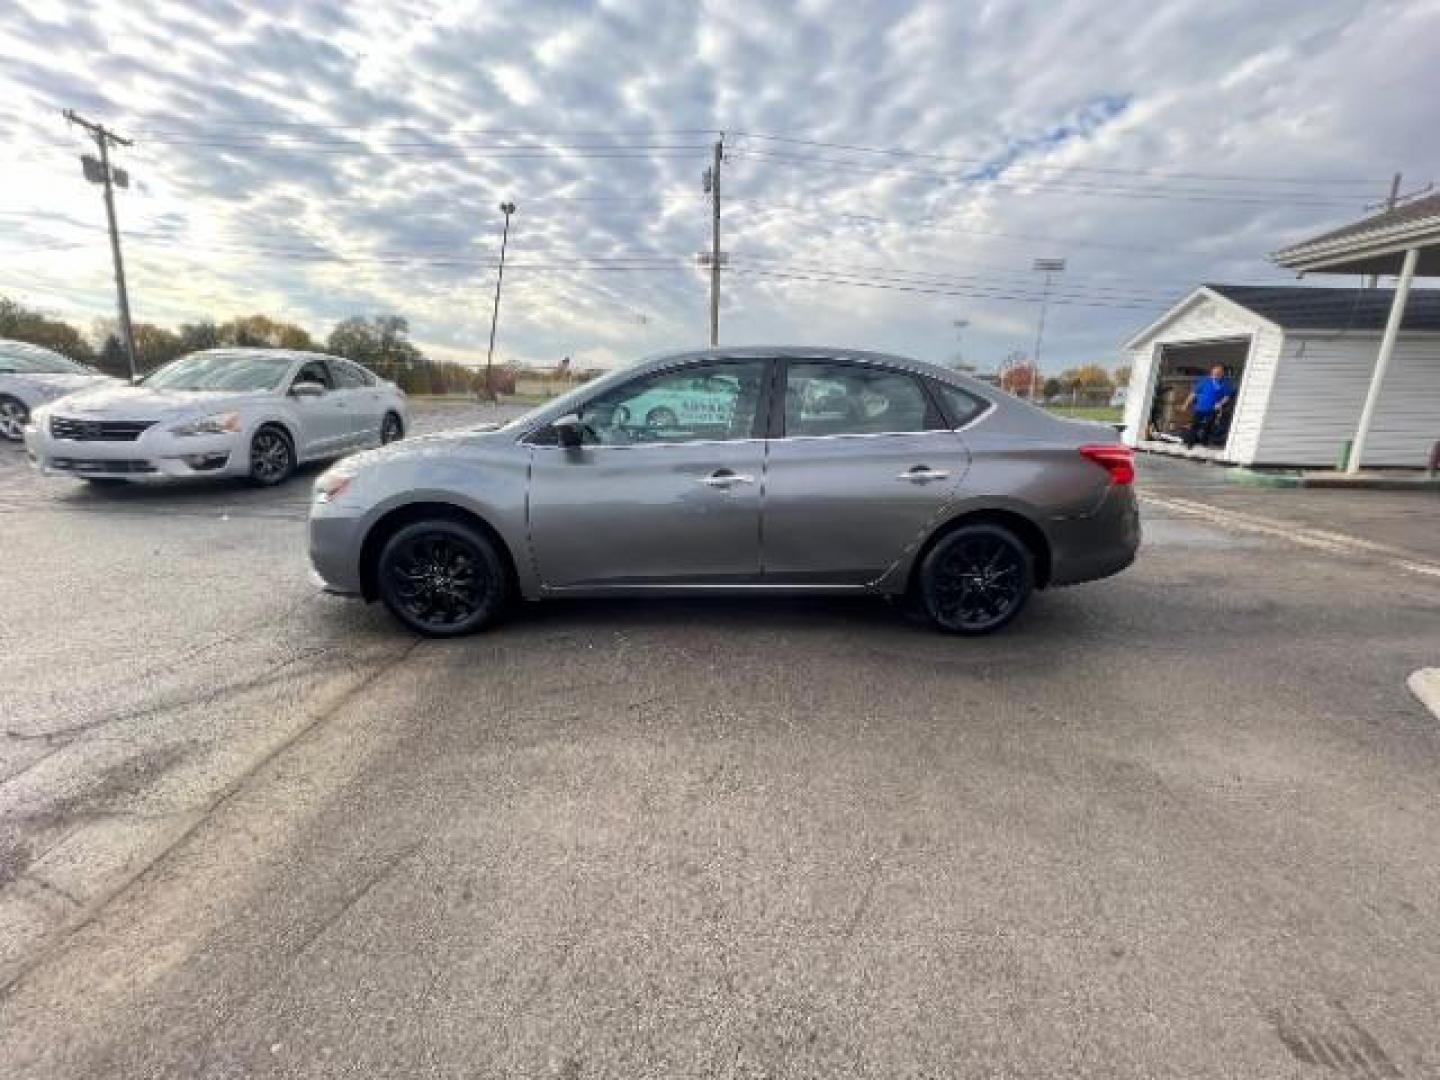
725, 479
923, 474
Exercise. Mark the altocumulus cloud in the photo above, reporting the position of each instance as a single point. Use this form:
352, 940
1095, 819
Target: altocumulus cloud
322, 159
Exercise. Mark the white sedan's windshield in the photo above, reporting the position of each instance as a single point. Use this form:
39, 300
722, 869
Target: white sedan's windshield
33, 360
221, 371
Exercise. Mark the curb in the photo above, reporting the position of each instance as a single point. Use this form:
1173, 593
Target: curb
1253, 478
1370, 483
1425, 685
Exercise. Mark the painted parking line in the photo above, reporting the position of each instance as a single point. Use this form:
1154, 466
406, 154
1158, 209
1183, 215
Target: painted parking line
1332, 543
1425, 684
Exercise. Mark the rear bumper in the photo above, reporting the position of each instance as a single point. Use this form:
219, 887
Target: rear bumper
156, 455
1099, 544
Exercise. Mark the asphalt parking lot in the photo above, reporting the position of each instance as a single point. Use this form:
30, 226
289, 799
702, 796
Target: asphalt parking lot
1182, 823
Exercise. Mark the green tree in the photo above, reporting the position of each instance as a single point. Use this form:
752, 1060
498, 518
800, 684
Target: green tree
19, 323
155, 346
1121, 375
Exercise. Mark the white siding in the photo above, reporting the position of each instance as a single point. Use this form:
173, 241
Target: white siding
1206, 318
1320, 389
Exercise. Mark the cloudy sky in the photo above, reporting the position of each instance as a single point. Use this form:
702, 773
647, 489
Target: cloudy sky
891, 167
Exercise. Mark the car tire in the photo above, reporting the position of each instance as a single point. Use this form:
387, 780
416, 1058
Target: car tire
443, 578
272, 456
14, 415
660, 416
975, 579
392, 429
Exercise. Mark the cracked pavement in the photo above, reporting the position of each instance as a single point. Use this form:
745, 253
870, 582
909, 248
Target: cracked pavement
1178, 824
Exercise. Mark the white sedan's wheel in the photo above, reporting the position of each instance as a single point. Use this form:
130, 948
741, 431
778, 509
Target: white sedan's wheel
13, 418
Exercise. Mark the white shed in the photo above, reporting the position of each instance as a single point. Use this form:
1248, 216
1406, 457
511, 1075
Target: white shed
1303, 359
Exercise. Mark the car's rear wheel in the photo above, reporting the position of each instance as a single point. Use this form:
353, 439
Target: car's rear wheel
391, 429
13, 418
272, 457
442, 578
975, 579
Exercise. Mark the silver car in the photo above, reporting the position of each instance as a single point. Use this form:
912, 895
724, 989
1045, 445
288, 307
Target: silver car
829, 471
30, 376
221, 412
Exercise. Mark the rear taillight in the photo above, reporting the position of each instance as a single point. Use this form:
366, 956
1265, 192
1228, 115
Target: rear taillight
1117, 460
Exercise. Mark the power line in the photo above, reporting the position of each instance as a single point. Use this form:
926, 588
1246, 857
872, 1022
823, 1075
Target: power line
1075, 188
974, 293
981, 163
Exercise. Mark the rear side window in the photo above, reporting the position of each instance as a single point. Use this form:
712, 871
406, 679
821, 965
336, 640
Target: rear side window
854, 399
960, 407
350, 377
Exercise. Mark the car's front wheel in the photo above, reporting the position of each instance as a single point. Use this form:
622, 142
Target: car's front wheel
975, 579
442, 578
13, 418
272, 457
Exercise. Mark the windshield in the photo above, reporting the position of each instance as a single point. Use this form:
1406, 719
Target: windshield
33, 360
574, 396
222, 371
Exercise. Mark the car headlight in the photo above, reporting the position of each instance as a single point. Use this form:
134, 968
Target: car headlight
215, 424
331, 484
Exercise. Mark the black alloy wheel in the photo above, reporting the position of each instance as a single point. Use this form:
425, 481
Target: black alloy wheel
976, 579
391, 429
272, 458
13, 418
442, 578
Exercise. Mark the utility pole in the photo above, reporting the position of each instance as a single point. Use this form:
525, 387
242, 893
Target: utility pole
506, 208
1374, 279
1048, 267
712, 181
101, 172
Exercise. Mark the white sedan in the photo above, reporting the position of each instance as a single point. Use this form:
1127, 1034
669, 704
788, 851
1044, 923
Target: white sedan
31, 376
223, 412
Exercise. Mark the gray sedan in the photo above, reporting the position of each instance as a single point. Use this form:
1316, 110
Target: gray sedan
769, 469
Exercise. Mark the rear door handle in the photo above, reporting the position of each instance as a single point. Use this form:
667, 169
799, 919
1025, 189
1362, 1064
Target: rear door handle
725, 478
923, 474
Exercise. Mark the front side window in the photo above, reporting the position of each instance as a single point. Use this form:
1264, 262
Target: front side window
221, 371
315, 371
704, 402
852, 399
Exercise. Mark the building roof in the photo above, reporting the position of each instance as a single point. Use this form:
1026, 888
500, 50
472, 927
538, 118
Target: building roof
1373, 245
1302, 307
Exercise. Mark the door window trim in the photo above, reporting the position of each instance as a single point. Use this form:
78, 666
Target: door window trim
776, 426
758, 429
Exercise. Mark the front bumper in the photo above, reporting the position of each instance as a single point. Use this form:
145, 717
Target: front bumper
336, 541
156, 455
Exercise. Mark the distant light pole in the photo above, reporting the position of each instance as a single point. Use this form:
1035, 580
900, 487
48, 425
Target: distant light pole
1048, 267
506, 208
960, 325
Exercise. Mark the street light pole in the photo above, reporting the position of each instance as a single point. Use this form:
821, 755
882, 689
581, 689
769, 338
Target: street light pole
1048, 267
506, 208
102, 172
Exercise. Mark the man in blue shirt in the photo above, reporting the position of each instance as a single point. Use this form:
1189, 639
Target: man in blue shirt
1208, 399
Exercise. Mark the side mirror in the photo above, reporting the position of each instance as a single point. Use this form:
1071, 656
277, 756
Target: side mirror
307, 389
569, 430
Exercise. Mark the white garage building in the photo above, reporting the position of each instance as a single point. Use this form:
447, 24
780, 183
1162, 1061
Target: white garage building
1303, 359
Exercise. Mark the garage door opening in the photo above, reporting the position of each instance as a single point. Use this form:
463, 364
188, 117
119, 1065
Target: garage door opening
1179, 368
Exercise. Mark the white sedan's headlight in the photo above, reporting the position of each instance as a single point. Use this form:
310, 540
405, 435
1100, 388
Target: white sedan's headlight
331, 484
225, 423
